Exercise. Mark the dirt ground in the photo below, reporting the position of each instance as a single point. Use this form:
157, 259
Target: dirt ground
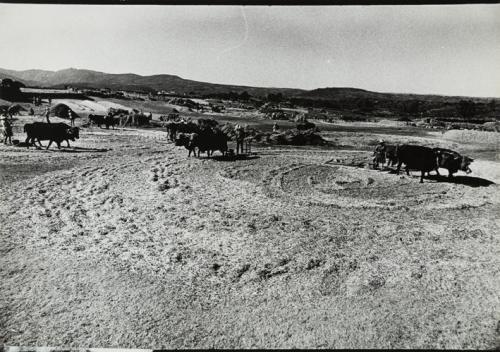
124, 241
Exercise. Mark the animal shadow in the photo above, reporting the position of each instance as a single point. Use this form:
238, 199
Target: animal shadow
82, 150
234, 157
459, 180
462, 180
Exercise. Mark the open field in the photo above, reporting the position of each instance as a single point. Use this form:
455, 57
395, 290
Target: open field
123, 241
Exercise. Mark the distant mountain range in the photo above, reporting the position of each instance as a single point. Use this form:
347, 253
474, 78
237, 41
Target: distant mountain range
93, 79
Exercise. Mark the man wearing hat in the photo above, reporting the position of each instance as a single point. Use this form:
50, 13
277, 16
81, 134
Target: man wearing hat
379, 154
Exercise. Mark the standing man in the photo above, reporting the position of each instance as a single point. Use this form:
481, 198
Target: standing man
71, 117
379, 154
240, 137
7, 130
47, 114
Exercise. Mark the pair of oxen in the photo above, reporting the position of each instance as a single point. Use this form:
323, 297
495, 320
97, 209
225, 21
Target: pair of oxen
421, 158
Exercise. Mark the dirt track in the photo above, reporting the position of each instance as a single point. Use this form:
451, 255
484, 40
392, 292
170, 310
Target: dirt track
126, 242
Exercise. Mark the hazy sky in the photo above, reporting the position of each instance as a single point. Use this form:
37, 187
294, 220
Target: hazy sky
446, 49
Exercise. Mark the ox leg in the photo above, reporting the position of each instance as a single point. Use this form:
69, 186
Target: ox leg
422, 177
407, 170
450, 174
398, 168
67, 140
58, 145
27, 142
49, 144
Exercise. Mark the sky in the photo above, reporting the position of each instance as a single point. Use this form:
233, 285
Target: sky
427, 49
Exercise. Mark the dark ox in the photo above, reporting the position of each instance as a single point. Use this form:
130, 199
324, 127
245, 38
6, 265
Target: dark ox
417, 157
189, 141
206, 140
391, 154
181, 127
452, 161
385, 153
97, 119
100, 120
111, 121
216, 140
54, 132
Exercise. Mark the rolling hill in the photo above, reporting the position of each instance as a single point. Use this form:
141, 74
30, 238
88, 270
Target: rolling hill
128, 81
81, 78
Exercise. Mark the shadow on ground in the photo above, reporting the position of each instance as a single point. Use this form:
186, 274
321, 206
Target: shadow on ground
462, 180
64, 149
459, 180
82, 150
235, 157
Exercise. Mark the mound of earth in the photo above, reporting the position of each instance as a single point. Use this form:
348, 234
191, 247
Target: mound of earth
287, 137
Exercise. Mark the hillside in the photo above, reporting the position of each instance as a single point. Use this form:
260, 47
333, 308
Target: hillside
132, 82
87, 78
6, 74
355, 93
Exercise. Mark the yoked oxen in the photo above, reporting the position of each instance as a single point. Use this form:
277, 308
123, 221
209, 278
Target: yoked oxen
100, 120
452, 161
180, 127
97, 120
54, 132
206, 140
416, 157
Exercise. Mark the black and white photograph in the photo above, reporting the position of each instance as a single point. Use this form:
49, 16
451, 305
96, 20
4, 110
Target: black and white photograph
243, 176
